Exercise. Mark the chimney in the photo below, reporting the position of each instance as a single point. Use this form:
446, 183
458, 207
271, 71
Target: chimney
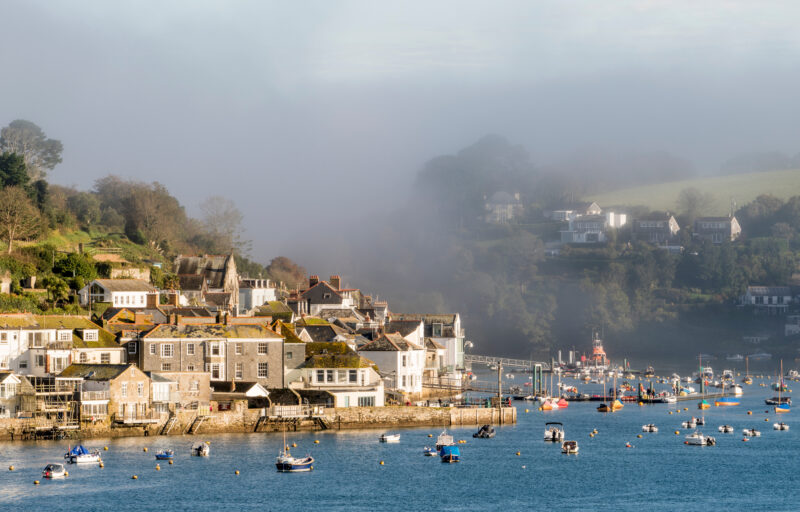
313, 280
139, 318
335, 282
173, 319
152, 300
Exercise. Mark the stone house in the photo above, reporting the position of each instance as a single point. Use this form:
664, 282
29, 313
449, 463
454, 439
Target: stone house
121, 391
208, 279
247, 352
193, 389
717, 229
656, 230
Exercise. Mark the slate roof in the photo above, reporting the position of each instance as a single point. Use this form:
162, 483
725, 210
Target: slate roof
252, 331
433, 345
404, 327
210, 268
390, 343
447, 319
125, 285
322, 332
94, 371
769, 290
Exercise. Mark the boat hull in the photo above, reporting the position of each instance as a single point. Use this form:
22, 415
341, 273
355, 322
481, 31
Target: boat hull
292, 465
450, 454
726, 401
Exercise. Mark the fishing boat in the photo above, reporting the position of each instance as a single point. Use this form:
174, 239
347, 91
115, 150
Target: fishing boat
726, 429
777, 400
81, 455
689, 424
649, 428
54, 471
450, 454
430, 452
698, 439
569, 447
554, 431
751, 432
201, 450
615, 404
444, 439
726, 401
390, 438
485, 432
649, 373
165, 455
285, 463
703, 404
780, 426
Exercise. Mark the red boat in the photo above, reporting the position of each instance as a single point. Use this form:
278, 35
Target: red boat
562, 403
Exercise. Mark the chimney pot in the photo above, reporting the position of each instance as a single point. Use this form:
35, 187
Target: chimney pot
335, 282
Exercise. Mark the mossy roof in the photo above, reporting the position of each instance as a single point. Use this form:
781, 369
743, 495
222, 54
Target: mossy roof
334, 355
105, 339
393, 342
241, 331
287, 331
311, 320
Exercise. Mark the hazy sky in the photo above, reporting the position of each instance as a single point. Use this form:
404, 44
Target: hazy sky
314, 115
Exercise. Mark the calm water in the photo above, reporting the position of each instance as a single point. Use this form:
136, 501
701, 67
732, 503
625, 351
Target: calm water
660, 472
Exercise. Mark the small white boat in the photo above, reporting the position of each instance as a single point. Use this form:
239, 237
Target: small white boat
81, 455
201, 450
649, 428
430, 452
569, 447
751, 432
780, 426
54, 471
698, 439
554, 431
689, 424
737, 390
726, 429
390, 438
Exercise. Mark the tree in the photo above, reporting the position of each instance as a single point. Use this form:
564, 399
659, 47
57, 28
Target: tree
19, 218
284, 270
39, 153
12, 170
694, 203
56, 288
223, 221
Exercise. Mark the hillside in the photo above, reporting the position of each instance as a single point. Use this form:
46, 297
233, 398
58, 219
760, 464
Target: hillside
743, 188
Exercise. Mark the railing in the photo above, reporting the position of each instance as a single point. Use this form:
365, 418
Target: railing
294, 411
95, 395
71, 387
149, 417
505, 361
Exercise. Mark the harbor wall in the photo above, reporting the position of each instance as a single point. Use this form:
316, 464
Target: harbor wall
240, 419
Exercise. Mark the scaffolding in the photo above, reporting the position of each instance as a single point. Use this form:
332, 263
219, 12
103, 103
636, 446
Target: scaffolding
56, 408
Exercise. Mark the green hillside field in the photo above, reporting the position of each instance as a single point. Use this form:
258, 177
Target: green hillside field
742, 188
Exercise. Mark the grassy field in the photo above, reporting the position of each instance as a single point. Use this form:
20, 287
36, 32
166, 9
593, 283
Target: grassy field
742, 188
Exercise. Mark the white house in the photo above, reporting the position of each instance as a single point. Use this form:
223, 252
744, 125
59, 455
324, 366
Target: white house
255, 292
401, 362
445, 330
130, 293
10, 387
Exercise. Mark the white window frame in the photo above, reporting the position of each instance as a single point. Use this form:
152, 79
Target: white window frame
123, 390
107, 356
152, 349
265, 372
238, 372
167, 350
190, 349
265, 346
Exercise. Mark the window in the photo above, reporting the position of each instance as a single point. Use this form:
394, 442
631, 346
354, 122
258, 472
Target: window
262, 371
194, 385
239, 371
90, 335
215, 370
326, 295
354, 376
404, 381
288, 356
405, 357
123, 390
152, 349
320, 375
132, 348
3, 337
34, 339
237, 349
437, 330
189, 367
166, 367
190, 349
341, 376
214, 348
140, 389
40, 360
83, 357
366, 401
262, 349
328, 375
65, 336
166, 349
105, 357
23, 364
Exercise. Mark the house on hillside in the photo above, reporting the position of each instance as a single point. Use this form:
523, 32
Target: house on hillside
571, 211
209, 280
661, 230
502, 207
717, 229
770, 300
401, 362
254, 293
129, 293
446, 330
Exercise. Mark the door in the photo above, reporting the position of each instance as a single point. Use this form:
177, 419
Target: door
347, 401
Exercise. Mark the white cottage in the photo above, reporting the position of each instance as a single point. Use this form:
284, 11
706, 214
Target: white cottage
129, 293
402, 362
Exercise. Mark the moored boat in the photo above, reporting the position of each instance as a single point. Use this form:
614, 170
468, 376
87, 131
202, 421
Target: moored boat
165, 455
703, 404
450, 454
782, 408
201, 450
285, 463
698, 439
554, 431
751, 432
725, 401
430, 452
485, 432
726, 429
569, 447
390, 438
81, 455
444, 439
780, 426
650, 427
54, 471
689, 424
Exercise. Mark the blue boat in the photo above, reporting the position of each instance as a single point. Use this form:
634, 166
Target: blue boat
726, 401
450, 454
429, 451
165, 455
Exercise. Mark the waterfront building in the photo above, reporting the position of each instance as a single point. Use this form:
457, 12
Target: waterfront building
121, 392
445, 330
401, 362
770, 300
16, 394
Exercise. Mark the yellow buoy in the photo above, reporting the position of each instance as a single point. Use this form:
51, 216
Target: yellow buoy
170, 462
35, 482
639, 436
158, 468
641, 404
134, 477
316, 441
105, 448
526, 410
677, 432
518, 454
381, 463
750, 412
144, 449
685, 408
540, 408
591, 435
11, 468
670, 412
66, 473
294, 445
102, 465
236, 472
766, 419
430, 435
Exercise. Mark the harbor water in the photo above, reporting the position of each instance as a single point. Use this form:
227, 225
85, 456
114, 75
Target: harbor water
659, 472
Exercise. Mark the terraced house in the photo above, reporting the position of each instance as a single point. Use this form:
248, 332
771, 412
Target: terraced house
229, 352
40, 345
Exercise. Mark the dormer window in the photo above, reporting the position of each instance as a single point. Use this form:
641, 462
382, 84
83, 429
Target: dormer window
326, 295
90, 335
64, 335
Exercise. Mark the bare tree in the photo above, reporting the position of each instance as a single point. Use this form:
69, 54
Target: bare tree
223, 222
19, 218
28, 140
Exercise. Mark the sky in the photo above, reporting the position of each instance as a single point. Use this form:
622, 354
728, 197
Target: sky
314, 116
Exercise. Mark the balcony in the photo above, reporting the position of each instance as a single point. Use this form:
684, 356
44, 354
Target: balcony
95, 395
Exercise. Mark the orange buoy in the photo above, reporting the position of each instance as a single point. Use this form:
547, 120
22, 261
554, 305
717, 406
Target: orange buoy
236, 472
